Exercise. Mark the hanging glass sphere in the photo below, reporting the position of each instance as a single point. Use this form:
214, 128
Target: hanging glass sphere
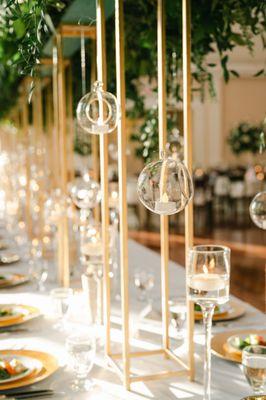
257, 210
85, 192
165, 186
97, 111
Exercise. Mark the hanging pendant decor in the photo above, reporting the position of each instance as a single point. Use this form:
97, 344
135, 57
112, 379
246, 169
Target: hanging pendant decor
257, 210
85, 193
165, 186
97, 111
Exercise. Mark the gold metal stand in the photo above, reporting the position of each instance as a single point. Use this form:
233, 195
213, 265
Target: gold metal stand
126, 355
101, 76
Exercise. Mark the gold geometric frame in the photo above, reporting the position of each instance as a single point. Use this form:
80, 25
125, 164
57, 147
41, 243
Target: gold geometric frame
126, 355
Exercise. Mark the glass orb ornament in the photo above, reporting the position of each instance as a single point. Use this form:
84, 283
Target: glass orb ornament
97, 111
85, 192
165, 186
257, 210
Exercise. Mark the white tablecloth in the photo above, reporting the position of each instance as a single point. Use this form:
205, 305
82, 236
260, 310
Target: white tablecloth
228, 382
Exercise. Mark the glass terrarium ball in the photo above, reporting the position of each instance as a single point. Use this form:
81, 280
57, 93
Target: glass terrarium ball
257, 210
85, 193
165, 186
97, 111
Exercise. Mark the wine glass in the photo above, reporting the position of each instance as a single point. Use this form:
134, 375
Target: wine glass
208, 285
39, 273
61, 298
254, 366
81, 349
144, 282
178, 313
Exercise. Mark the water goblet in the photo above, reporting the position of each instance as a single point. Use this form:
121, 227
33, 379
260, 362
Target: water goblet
254, 367
81, 349
39, 273
208, 286
61, 299
144, 281
178, 313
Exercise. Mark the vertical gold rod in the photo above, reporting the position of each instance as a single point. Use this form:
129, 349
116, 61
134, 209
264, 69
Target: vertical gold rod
49, 131
25, 130
94, 138
186, 39
164, 225
70, 159
101, 76
63, 240
55, 134
122, 174
38, 128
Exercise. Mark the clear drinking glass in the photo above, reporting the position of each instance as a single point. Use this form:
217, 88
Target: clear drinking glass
61, 299
208, 285
144, 282
81, 348
254, 366
178, 313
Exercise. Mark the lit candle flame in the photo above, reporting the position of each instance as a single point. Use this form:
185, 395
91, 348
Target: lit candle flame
164, 198
205, 269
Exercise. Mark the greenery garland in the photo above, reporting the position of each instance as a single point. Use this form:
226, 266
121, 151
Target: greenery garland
247, 138
216, 24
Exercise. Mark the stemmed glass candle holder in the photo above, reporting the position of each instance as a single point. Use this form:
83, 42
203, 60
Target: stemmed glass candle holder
208, 285
254, 366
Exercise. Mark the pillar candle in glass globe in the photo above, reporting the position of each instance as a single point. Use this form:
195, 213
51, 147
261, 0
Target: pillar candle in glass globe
97, 111
257, 210
165, 186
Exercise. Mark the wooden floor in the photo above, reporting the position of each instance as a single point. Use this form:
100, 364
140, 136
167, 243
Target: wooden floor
248, 258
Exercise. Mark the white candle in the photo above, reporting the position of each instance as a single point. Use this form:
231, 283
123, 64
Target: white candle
164, 206
206, 282
92, 249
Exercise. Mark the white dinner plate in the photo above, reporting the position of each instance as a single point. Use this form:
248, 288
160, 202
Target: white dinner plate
17, 311
30, 363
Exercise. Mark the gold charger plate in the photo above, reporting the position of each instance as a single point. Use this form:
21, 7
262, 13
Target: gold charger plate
31, 312
235, 311
13, 280
49, 366
220, 348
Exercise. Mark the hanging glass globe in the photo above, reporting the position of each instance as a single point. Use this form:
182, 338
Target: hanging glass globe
165, 186
85, 192
257, 210
97, 111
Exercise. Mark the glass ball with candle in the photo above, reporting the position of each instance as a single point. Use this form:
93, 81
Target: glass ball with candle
208, 285
165, 186
85, 192
97, 111
257, 210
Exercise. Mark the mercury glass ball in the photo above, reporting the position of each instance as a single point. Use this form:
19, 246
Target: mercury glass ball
257, 210
97, 111
85, 193
165, 186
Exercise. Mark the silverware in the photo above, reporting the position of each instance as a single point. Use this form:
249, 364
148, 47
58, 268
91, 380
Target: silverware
28, 395
13, 330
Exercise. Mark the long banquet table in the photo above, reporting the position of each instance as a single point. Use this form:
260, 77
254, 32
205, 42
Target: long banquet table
228, 381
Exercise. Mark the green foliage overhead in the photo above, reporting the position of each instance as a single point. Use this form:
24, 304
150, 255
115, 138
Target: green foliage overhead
216, 24
247, 138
